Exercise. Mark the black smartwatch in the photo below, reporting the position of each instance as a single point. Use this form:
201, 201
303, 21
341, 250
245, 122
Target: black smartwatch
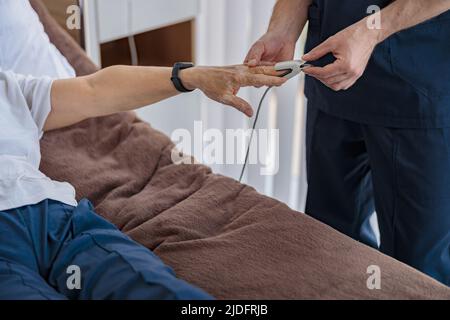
175, 75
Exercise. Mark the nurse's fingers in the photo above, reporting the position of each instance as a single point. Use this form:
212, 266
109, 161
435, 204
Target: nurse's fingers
255, 54
321, 50
336, 79
348, 84
341, 86
329, 71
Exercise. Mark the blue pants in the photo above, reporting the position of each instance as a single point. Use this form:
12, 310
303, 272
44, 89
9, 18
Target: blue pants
402, 174
44, 247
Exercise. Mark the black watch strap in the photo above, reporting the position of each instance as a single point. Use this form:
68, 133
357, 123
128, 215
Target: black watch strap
175, 75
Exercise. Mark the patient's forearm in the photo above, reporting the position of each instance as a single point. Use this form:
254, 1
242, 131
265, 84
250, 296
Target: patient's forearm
123, 88
106, 92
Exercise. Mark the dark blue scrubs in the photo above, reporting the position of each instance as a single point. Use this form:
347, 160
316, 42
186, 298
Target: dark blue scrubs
384, 144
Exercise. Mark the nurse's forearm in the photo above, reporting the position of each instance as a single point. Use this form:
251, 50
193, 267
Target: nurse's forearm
403, 14
289, 17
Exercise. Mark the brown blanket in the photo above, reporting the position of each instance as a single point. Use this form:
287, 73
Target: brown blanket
216, 233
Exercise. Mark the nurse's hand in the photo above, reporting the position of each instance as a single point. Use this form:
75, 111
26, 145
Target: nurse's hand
352, 49
271, 48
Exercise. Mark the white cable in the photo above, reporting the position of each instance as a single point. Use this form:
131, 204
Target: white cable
131, 41
133, 51
253, 130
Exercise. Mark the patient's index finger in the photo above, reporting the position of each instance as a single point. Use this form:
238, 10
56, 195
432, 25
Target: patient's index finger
267, 70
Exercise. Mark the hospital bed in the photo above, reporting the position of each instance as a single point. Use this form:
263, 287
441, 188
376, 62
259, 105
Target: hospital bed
213, 231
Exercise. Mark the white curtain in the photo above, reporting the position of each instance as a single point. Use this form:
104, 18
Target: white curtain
224, 32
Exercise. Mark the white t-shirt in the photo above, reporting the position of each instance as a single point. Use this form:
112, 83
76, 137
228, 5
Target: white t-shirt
24, 106
25, 47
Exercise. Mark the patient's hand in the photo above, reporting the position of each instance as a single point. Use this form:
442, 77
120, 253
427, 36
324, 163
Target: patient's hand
223, 83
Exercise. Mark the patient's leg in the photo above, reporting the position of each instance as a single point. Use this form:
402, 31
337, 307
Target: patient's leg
22, 272
42, 245
17, 282
25, 47
112, 265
